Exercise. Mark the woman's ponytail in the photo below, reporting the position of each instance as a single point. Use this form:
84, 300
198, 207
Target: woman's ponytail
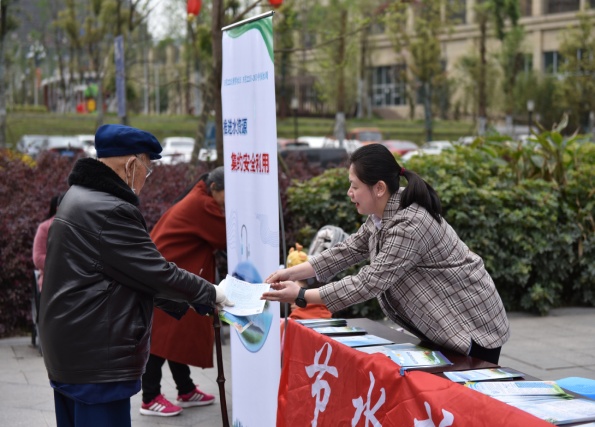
420, 192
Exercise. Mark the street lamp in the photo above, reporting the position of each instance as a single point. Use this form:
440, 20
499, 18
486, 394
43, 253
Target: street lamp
294, 109
530, 108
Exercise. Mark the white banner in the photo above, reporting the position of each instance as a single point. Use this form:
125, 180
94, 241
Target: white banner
252, 211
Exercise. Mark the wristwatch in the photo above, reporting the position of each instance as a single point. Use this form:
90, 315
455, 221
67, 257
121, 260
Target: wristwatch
300, 301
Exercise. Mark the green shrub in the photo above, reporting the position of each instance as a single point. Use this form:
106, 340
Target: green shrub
25, 194
320, 201
528, 212
24, 201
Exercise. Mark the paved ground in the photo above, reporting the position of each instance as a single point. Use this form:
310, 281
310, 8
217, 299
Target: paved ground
553, 347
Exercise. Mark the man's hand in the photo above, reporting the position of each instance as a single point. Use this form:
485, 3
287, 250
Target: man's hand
221, 299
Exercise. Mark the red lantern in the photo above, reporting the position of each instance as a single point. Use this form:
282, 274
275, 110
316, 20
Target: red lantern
193, 7
275, 3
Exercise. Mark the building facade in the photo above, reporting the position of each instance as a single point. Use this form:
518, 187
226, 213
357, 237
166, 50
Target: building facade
544, 21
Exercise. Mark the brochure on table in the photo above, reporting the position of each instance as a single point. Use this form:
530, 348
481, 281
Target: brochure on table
543, 399
408, 355
475, 375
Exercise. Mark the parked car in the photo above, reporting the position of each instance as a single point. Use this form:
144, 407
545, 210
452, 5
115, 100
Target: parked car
88, 142
67, 146
207, 154
290, 142
467, 140
400, 147
319, 157
177, 149
439, 145
312, 141
349, 145
429, 148
365, 135
32, 144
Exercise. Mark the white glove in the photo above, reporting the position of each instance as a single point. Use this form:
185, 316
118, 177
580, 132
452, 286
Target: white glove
220, 298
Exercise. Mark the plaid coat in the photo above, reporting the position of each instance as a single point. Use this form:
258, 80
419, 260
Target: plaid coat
425, 278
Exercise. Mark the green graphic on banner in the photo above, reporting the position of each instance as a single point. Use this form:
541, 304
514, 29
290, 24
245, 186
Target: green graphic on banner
263, 26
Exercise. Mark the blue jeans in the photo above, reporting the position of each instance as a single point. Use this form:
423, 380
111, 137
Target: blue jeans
71, 413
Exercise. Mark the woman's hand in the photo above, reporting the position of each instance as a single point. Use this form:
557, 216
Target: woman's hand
278, 276
283, 292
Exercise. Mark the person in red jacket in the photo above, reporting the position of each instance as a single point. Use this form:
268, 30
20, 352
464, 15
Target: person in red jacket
188, 234
41, 239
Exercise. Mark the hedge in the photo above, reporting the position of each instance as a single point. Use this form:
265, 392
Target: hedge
527, 211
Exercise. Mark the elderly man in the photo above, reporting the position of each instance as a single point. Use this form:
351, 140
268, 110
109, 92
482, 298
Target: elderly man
103, 275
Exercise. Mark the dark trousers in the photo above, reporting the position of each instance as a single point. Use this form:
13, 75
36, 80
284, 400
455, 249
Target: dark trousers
70, 413
151, 381
491, 355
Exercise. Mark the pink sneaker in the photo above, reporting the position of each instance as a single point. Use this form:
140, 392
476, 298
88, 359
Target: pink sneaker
195, 398
160, 407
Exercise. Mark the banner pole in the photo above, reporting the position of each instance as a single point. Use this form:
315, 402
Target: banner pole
245, 21
284, 243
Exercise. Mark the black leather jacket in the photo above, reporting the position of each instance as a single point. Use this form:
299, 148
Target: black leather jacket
102, 275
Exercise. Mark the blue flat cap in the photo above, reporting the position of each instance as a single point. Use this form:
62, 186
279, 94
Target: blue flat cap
120, 140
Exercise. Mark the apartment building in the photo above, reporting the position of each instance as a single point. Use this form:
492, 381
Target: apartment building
543, 22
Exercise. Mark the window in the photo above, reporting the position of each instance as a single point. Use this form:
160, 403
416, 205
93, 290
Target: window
377, 27
552, 61
388, 85
560, 6
526, 7
457, 12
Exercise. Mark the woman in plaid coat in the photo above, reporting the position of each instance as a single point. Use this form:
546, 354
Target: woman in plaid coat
425, 278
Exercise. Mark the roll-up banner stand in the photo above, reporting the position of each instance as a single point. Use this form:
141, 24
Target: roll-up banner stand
252, 210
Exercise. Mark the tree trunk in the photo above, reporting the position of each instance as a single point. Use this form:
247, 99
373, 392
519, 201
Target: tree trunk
217, 24
340, 63
203, 118
482, 78
100, 114
124, 118
361, 83
428, 110
3, 142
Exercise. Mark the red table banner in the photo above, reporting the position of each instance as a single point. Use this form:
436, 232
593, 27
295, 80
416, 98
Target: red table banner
326, 383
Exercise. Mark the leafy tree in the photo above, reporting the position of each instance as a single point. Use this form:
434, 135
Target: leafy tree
577, 88
7, 24
486, 12
511, 59
201, 58
543, 89
420, 46
96, 44
333, 26
468, 70
284, 34
69, 20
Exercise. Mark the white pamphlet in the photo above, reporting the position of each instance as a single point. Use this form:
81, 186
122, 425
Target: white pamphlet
244, 295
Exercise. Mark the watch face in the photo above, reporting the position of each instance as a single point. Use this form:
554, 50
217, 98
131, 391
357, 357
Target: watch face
300, 301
